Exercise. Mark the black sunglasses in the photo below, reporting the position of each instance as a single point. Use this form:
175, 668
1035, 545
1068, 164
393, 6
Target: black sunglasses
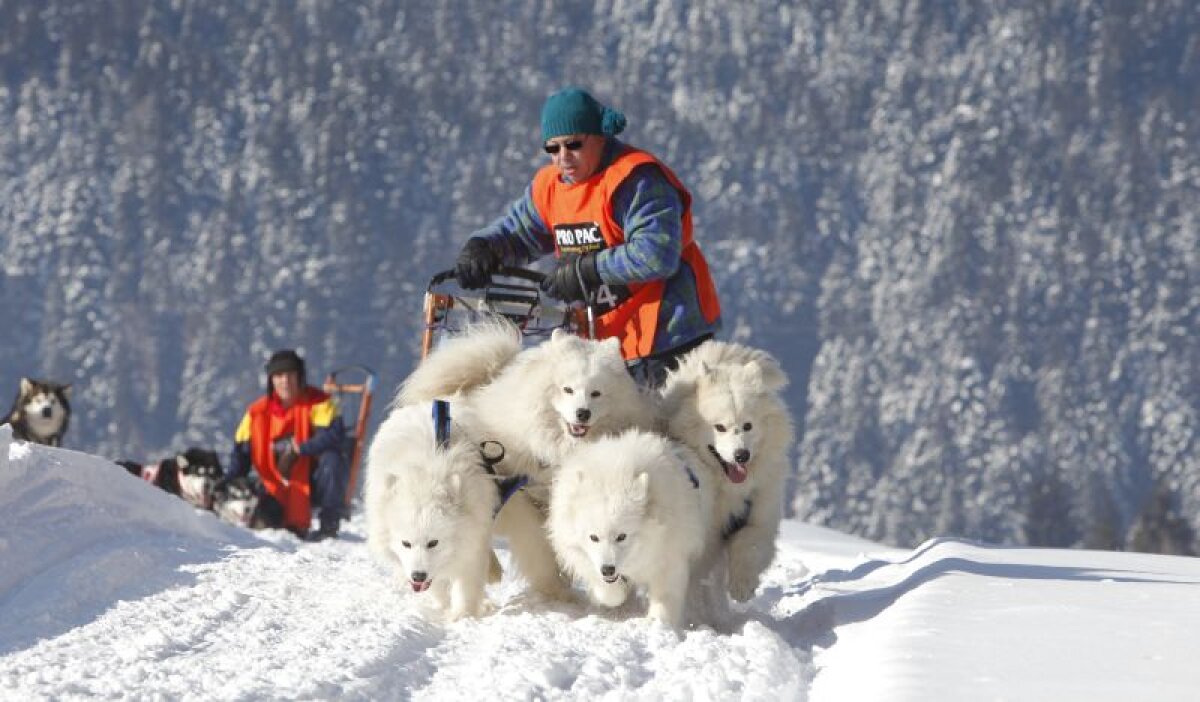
573, 145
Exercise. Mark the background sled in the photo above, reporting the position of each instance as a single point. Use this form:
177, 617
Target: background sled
513, 294
340, 384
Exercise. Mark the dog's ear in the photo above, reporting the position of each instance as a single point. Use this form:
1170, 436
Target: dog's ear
767, 374
612, 344
451, 494
571, 482
641, 488
26, 386
66, 391
559, 334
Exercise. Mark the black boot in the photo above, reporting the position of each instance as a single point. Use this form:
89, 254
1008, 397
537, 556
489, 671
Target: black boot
328, 530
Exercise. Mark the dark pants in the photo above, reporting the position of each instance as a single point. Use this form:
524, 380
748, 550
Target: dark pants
651, 371
328, 481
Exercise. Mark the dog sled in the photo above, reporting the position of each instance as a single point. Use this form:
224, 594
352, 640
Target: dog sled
514, 294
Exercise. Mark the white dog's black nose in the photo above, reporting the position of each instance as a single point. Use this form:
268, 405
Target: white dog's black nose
583, 414
46, 412
741, 456
418, 576
608, 571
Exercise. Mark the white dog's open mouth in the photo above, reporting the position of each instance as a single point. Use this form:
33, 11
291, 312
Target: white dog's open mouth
736, 472
420, 586
611, 578
578, 430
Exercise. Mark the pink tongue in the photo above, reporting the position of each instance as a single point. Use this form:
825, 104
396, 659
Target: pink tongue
421, 586
736, 472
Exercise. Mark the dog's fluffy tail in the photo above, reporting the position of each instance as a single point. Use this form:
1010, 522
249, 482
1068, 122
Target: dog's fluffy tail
462, 362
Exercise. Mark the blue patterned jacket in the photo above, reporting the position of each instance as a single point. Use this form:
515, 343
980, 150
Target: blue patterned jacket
649, 210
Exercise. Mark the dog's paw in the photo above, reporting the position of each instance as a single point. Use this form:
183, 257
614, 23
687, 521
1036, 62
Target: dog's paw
455, 614
666, 614
610, 594
553, 590
741, 588
480, 608
468, 610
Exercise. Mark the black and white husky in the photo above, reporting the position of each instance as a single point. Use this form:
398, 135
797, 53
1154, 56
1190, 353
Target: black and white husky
192, 475
41, 412
238, 501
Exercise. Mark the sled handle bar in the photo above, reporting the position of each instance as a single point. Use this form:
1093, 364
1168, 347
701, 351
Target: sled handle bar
532, 276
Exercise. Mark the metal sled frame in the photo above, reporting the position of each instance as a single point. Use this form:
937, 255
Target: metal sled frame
365, 389
513, 294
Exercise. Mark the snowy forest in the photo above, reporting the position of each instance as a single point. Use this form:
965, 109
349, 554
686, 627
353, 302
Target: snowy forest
969, 230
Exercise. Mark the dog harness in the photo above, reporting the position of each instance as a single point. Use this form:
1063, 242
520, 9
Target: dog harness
506, 486
692, 477
441, 423
737, 522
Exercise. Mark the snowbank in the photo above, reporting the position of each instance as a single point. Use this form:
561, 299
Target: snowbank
80, 533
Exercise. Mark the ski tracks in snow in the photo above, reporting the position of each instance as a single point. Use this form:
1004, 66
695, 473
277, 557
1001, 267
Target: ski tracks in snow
323, 621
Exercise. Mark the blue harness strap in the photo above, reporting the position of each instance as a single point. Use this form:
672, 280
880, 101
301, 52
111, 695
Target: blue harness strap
441, 423
737, 522
508, 487
692, 477
441, 431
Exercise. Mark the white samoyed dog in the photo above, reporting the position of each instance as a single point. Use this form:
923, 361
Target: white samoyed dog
539, 403
635, 511
430, 509
545, 399
723, 401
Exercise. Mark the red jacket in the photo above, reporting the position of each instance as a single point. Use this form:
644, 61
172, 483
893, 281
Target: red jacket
267, 420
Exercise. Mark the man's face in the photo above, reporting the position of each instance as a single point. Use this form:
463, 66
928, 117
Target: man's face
286, 386
576, 155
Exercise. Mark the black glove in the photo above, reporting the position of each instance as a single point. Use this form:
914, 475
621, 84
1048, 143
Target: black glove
476, 263
574, 278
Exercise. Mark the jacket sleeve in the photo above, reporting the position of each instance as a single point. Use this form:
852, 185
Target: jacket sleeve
519, 236
650, 211
239, 459
328, 430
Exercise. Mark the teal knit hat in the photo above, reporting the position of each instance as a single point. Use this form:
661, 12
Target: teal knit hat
574, 111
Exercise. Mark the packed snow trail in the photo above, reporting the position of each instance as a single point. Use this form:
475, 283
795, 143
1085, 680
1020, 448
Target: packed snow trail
113, 589
239, 617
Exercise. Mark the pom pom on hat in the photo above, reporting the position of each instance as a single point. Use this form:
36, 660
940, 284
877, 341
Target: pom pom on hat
612, 122
574, 111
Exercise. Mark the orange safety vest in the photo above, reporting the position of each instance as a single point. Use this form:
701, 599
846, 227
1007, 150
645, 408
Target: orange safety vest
268, 421
580, 216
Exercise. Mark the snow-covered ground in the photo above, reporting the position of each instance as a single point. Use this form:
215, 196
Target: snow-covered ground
110, 588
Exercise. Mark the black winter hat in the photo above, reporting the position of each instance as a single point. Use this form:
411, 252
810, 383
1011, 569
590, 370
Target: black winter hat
284, 361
